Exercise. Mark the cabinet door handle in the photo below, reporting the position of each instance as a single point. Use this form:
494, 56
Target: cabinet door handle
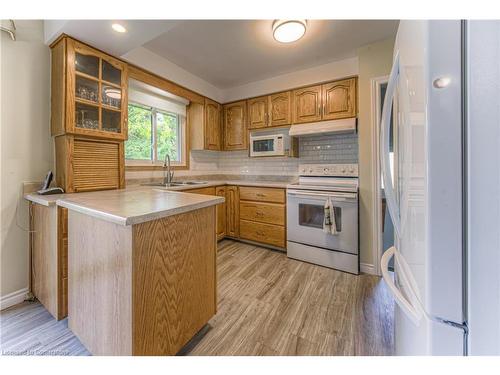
260, 195
258, 213
259, 233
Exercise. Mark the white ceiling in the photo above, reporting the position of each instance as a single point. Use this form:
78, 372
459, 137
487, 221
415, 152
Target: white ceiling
98, 33
229, 53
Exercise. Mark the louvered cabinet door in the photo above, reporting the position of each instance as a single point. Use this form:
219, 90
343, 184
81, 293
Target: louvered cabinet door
339, 99
307, 104
96, 165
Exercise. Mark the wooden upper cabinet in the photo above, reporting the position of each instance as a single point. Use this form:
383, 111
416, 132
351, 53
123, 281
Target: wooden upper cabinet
339, 99
307, 104
212, 125
89, 92
235, 127
280, 109
257, 112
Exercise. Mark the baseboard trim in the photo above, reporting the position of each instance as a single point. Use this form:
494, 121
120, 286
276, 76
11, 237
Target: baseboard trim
13, 298
367, 268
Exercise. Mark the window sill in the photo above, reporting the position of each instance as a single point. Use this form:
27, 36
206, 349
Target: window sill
134, 166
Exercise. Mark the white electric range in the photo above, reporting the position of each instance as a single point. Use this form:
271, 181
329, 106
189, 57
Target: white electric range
306, 199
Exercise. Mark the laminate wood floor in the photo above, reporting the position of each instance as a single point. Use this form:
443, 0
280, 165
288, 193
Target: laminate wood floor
268, 304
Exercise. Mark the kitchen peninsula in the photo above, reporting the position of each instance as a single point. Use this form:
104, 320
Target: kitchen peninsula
141, 269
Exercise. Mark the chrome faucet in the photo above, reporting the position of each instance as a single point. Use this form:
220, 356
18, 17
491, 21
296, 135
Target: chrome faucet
167, 180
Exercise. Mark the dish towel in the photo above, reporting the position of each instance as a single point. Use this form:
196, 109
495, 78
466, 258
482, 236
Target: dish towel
329, 223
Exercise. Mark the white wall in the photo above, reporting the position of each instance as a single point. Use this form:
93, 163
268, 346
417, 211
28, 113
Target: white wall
321, 73
375, 60
164, 68
26, 145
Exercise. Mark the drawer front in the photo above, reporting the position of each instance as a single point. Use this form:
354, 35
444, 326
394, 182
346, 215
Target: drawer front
263, 233
259, 194
206, 191
271, 213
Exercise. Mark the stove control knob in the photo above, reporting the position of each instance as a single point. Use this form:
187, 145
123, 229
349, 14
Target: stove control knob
325, 170
343, 170
303, 170
311, 170
351, 170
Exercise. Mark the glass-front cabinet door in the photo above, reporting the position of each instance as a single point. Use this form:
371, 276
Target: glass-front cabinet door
97, 85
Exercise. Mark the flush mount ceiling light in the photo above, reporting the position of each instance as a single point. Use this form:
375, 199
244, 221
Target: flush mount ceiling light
118, 28
287, 31
113, 93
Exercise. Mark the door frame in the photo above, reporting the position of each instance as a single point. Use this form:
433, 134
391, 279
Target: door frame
376, 113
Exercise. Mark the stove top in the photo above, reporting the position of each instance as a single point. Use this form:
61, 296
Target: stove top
329, 170
327, 177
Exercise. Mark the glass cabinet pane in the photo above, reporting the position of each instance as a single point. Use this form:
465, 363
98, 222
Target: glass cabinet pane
86, 116
111, 96
86, 89
111, 120
87, 64
110, 73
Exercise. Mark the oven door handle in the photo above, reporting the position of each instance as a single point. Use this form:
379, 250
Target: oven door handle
333, 196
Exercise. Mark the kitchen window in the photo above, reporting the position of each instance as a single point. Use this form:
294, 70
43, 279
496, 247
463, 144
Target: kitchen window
156, 128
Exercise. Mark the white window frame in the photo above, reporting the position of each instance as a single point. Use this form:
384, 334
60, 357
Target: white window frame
181, 131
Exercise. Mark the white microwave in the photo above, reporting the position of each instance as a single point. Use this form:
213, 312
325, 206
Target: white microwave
269, 145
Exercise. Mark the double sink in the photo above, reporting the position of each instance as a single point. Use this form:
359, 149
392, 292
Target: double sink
175, 184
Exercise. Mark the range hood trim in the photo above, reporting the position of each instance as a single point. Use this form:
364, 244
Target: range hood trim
347, 125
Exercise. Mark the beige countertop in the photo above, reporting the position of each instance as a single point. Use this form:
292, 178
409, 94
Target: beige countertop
51, 200
44, 200
135, 206
271, 184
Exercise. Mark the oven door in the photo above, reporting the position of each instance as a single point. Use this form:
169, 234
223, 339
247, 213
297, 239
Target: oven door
305, 215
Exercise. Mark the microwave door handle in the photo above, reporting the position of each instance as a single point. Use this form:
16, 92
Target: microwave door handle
390, 194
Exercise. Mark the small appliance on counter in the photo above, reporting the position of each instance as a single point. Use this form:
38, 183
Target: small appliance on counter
276, 142
46, 190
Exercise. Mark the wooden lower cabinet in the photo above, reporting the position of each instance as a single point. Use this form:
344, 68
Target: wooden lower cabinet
270, 213
49, 249
264, 233
144, 289
206, 191
262, 194
221, 213
262, 213
232, 211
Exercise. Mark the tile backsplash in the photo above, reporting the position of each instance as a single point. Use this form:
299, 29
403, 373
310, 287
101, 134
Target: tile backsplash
339, 148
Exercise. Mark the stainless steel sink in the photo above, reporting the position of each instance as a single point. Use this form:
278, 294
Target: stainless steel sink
175, 184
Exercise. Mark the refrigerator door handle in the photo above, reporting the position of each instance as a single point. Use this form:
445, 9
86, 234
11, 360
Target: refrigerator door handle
412, 308
392, 203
